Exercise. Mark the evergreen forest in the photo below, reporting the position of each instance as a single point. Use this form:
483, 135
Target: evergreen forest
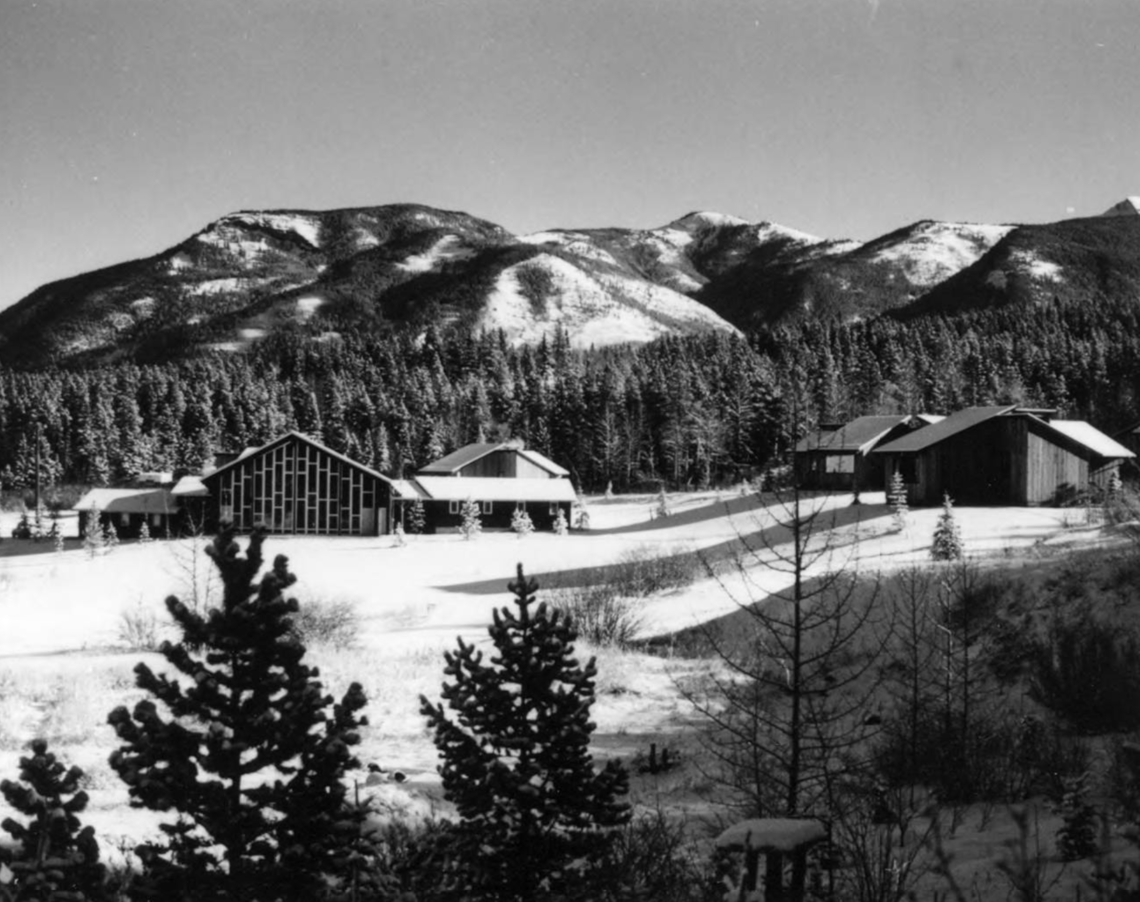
679, 411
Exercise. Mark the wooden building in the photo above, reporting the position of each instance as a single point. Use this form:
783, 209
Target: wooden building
127, 509
1003, 455
837, 457
501, 478
296, 485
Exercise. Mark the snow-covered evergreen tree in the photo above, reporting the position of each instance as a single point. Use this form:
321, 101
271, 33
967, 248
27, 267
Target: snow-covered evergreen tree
561, 527
947, 544
251, 758
521, 523
93, 533
110, 537
417, 517
516, 763
144, 533
896, 498
609, 489
472, 525
662, 508
56, 859
398, 535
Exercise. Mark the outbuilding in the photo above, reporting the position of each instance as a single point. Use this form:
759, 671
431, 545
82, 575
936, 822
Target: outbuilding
837, 456
1005, 455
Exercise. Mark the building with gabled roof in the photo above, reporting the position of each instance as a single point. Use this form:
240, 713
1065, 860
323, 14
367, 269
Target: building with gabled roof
296, 485
500, 478
1003, 455
837, 456
127, 509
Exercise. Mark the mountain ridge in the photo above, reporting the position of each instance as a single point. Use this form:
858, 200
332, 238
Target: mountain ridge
252, 273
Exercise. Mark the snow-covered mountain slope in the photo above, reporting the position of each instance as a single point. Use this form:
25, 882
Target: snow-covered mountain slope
250, 274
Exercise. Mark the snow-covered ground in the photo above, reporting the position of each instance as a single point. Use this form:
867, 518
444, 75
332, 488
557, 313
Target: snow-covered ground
63, 668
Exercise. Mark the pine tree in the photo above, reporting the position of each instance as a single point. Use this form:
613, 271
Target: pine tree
93, 532
896, 498
253, 718
471, 525
947, 545
56, 534
516, 762
521, 523
417, 517
560, 525
110, 537
398, 535
144, 533
57, 859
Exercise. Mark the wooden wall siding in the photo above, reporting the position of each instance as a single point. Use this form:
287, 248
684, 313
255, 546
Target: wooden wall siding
1054, 473
440, 519
296, 488
505, 464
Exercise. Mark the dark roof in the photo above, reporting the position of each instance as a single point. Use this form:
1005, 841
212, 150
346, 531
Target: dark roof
250, 452
460, 458
851, 437
921, 439
468, 454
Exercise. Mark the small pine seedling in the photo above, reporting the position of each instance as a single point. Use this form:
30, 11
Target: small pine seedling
521, 523
947, 544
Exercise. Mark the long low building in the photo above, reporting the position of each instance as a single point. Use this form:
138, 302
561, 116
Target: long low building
1004, 455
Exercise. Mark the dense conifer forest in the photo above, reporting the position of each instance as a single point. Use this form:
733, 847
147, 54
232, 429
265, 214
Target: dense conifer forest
686, 411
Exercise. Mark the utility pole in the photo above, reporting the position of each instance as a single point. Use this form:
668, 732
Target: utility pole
39, 433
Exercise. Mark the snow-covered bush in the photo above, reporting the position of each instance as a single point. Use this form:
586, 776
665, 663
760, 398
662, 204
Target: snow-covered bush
471, 525
521, 523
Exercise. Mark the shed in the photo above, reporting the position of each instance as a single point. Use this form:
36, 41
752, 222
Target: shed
1003, 455
837, 456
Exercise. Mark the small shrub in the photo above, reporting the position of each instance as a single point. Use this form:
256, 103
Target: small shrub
560, 525
138, 629
417, 517
334, 624
1088, 672
398, 539
1077, 835
600, 616
644, 570
521, 523
472, 525
896, 498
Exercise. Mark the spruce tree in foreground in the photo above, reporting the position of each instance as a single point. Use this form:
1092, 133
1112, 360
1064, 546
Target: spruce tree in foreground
245, 750
896, 498
56, 858
947, 544
417, 517
514, 738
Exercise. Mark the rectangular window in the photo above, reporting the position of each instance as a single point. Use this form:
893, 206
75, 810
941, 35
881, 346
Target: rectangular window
487, 507
156, 519
839, 463
124, 519
520, 506
553, 510
453, 507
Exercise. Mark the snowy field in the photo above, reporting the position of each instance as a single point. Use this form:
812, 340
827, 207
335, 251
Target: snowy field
63, 666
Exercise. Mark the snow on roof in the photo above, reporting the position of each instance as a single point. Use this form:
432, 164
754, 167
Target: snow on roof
190, 487
304, 438
921, 439
773, 834
491, 488
854, 436
541, 460
406, 488
1092, 438
128, 501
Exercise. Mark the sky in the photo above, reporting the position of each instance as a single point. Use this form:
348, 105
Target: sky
128, 125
